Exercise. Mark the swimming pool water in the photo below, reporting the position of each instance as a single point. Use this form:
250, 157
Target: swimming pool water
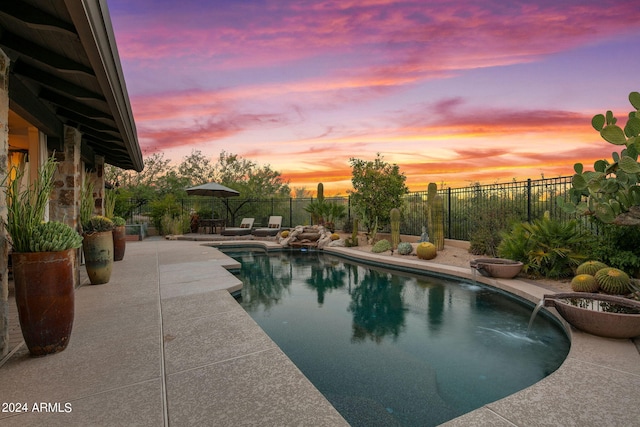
392, 348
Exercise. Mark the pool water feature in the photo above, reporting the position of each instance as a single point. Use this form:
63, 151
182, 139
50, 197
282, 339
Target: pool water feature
394, 348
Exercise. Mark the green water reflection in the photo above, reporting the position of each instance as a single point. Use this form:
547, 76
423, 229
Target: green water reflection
392, 348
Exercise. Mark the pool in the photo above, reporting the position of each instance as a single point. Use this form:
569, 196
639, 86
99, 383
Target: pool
394, 348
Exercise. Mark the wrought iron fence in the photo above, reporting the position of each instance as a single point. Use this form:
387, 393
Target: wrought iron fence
464, 207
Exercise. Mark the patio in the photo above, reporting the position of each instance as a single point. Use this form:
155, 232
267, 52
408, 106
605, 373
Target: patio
165, 344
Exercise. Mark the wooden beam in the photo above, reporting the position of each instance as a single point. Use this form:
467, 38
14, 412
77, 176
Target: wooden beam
35, 17
46, 79
42, 55
26, 104
73, 105
78, 117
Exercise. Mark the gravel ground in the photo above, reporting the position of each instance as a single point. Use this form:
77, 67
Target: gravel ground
459, 257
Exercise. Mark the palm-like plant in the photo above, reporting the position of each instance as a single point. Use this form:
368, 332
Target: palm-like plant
546, 247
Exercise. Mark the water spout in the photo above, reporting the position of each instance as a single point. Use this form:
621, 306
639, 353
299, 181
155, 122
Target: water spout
533, 315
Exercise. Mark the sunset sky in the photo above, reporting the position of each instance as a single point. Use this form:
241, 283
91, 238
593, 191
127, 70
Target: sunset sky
453, 92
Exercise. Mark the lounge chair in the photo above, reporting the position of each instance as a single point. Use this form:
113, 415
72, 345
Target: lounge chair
243, 230
271, 230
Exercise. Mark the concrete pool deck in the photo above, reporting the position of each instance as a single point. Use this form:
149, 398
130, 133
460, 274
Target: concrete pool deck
164, 343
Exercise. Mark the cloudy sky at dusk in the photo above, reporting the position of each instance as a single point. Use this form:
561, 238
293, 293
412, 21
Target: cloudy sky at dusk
453, 92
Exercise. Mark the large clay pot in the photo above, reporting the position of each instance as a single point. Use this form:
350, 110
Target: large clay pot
98, 256
45, 299
598, 314
119, 242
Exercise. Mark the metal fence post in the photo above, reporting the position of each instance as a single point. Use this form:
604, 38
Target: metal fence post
529, 200
448, 212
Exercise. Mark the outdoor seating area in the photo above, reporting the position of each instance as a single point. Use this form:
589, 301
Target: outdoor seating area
272, 229
243, 230
212, 225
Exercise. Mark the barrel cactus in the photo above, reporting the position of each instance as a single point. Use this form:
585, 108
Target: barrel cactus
426, 250
335, 236
584, 283
613, 281
381, 246
590, 267
405, 248
97, 224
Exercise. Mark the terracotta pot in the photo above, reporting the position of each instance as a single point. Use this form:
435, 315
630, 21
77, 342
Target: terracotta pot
585, 311
119, 242
45, 299
98, 256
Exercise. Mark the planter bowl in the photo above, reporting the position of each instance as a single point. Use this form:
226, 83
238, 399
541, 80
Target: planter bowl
584, 311
498, 268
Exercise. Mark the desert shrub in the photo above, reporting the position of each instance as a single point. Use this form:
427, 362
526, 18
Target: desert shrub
547, 247
167, 205
490, 217
381, 246
619, 247
170, 224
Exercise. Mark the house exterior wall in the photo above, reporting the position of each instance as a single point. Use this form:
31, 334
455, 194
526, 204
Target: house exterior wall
4, 164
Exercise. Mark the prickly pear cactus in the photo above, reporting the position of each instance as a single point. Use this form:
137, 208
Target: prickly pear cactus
395, 227
611, 192
435, 216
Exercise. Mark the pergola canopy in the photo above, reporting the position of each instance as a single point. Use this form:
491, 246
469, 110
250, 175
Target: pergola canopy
65, 70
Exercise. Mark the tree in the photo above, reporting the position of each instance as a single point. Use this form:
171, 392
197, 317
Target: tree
301, 193
377, 188
196, 169
250, 179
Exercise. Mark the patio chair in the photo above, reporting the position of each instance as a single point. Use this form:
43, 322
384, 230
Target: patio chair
271, 230
243, 230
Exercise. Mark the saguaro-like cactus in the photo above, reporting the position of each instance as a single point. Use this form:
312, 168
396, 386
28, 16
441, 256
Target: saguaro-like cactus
394, 214
320, 195
353, 241
435, 216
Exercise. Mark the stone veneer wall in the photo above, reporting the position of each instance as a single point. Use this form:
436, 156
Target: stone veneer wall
64, 204
4, 164
65, 198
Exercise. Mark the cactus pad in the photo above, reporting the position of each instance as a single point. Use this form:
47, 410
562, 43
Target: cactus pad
613, 281
584, 283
